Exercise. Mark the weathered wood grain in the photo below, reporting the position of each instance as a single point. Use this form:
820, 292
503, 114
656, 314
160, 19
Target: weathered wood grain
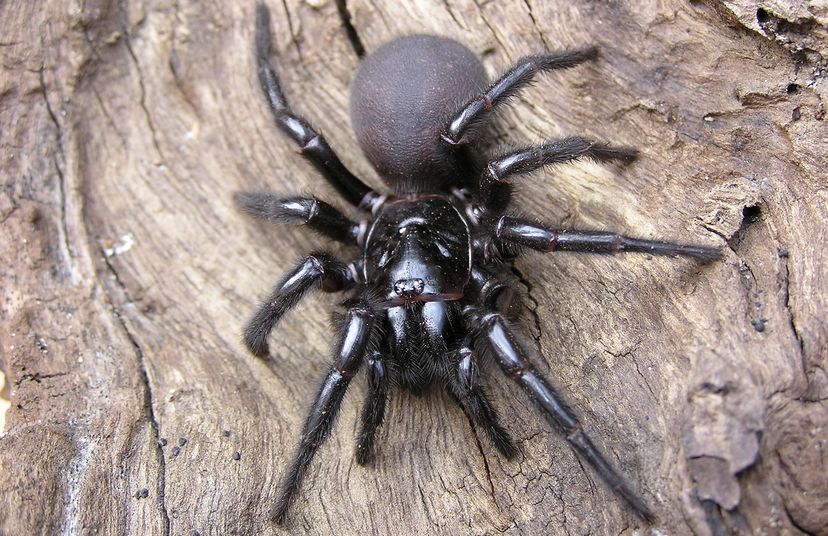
126, 126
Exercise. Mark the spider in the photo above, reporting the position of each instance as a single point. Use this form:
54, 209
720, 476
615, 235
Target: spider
430, 299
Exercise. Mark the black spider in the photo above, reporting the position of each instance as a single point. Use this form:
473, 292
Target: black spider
428, 296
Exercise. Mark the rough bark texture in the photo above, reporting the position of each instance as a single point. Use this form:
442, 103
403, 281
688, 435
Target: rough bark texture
127, 274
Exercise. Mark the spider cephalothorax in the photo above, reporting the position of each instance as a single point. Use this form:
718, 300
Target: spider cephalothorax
427, 296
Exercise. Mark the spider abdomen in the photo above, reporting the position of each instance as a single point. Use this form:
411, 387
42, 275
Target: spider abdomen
401, 99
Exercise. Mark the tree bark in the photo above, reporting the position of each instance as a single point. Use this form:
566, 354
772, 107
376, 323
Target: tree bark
125, 127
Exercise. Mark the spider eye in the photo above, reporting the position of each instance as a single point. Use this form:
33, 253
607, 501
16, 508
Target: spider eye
386, 256
443, 249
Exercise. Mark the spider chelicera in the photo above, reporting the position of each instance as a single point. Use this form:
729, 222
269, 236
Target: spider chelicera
428, 296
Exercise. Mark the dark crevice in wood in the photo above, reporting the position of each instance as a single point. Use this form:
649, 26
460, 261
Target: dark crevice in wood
453, 16
535, 24
426, 508
143, 92
772, 24
178, 79
293, 38
480, 6
538, 338
350, 30
64, 231
45, 95
793, 521
713, 518
483, 456
792, 319
149, 399
585, 472
630, 354
108, 117
37, 377
794, 37
532, 310
750, 215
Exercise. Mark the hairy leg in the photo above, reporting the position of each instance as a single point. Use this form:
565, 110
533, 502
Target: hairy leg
516, 78
498, 173
465, 385
350, 351
493, 334
374, 409
319, 268
318, 215
542, 238
312, 145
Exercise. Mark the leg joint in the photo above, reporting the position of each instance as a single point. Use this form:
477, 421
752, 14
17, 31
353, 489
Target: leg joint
317, 265
313, 144
517, 371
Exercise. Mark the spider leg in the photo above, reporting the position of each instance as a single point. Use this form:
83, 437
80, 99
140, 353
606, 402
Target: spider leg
318, 215
493, 333
374, 409
516, 78
312, 145
465, 386
353, 344
542, 238
333, 274
495, 181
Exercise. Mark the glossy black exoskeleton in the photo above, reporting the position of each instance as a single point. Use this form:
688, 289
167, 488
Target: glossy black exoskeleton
427, 296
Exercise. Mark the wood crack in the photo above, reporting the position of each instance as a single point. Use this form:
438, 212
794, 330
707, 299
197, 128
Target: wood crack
792, 322
532, 310
489, 25
37, 377
143, 93
453, 16
293, 37
350, 29
149, 399
64, 228
630, 353
426, 508
535, 24
483, 456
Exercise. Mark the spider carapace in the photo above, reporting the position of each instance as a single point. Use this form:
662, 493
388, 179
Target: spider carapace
428, 293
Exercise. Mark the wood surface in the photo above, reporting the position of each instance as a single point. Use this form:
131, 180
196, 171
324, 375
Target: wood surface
127, 273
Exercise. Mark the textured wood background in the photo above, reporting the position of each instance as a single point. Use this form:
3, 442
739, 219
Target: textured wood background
127, 273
